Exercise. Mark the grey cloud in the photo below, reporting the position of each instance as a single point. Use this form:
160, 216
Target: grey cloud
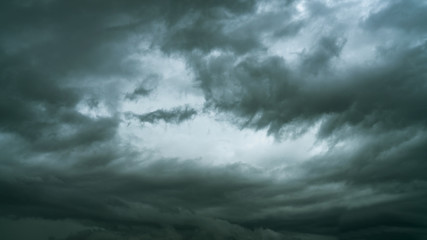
43, 81
139, 198
326, 49
77, 51
408, 16
138, 92
394, 158
204, 30
377, 104
163, 193
205, 36
61, 58
395, 220
378, 107
221, 28
266, 93
289, 29
144, 88
174, 115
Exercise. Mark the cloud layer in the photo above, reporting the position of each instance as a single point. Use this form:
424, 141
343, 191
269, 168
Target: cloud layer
280, 120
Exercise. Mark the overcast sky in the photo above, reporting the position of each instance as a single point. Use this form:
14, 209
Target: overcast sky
207, 119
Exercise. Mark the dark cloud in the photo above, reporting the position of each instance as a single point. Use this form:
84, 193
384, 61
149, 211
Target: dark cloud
160, 198
164, 196
206, 35
175, 115
325, 50
264, 92
289, 29
67, 168
407, 16
144, 88
138, 92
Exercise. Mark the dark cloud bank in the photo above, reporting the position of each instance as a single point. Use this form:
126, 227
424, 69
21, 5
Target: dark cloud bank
68, 175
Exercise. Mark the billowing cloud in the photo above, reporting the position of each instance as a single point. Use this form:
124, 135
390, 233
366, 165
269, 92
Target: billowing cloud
307, 120
266, 92
408, 16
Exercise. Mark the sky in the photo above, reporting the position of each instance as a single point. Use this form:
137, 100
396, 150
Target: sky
206, 119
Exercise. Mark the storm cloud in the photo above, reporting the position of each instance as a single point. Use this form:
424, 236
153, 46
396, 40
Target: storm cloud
213, 119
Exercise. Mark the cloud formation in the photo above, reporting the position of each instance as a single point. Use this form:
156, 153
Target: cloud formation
345, 80
175, 115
